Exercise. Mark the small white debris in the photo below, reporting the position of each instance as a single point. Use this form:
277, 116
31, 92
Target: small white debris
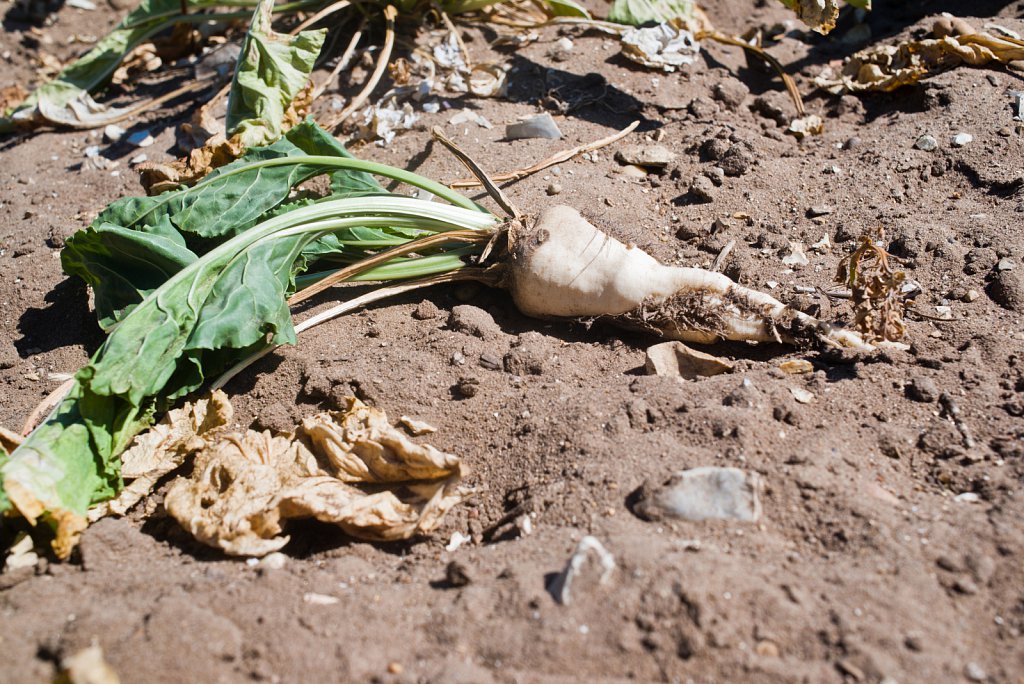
469, 116
113, 133
823, 245
21, 555
664, 46
967, 497
92, 151
945, 312
705, 493
141, 139
315, 599
458, 539
86, 5
796, 256
563, 582
138, 159
273, 561
962, 139
564, 43
540, 126
801, 395
432, 107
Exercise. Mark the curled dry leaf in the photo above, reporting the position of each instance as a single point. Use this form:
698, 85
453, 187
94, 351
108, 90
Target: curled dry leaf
665, 46
244, 487
887, 67
820, 15
164, 448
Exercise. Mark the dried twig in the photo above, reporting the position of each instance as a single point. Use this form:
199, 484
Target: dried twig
343, 62
561, 157
382, 64
326, 11
787, 80
493, 190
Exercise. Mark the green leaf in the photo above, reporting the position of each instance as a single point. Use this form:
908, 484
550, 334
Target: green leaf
566, 8
214, 311
137, 243
66, 100
272, 69
639, 12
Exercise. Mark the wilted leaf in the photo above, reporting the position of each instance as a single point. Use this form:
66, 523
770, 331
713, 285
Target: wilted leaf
166, 446
820, 15
245, 487
887, 67
272, 69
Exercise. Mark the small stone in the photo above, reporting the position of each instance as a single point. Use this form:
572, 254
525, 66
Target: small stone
852, 143
649, 156
927, 143
456, 575
702, 189
92, 151
1007, 290
965, 586
705, 493
138, 159
767, 649
922, 389
714, 149
702, 108
395, 668
974, 672
425, 311
472, 320
970, 296
554, 189
141, 139
113, 133
675, 359
1005, 265
914, 642
468, 387
819, 210
737, 161
490, 361
796, 366
1005, 132
730, 92
962, 139
716, 174
273, 561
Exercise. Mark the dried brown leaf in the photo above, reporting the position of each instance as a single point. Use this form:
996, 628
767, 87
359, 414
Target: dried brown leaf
245, 487
887, 67
165, 447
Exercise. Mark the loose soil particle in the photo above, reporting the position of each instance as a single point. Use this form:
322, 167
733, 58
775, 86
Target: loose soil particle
863, 565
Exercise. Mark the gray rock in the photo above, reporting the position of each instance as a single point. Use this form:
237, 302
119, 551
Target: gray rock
714, 149
648, 156
974, 672
706, 493
737, 161
540, 126
926, 143
554, 189
425, 310
819, 210
472, 320
922, 389
702, 189
1005, 265
1007, 290
730, 92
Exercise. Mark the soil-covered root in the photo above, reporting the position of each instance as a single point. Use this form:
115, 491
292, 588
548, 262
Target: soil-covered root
561, 266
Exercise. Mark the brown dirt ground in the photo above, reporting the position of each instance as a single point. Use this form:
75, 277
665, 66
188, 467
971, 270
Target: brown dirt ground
863, 568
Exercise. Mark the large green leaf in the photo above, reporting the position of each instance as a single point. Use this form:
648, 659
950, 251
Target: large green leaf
137, 243
639, 12
272, 69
